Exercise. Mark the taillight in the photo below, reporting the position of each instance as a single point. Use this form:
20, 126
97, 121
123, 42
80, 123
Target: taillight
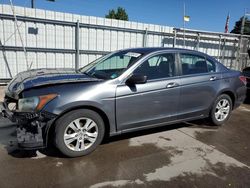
243, 79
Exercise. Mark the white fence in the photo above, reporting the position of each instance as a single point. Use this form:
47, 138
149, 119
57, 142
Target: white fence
58, 40
229, 49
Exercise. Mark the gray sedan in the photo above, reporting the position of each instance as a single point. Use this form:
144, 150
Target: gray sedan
121, 92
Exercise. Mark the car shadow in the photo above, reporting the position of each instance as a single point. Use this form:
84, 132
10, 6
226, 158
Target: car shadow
51, 151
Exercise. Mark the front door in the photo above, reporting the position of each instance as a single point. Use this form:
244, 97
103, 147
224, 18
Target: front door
153, 102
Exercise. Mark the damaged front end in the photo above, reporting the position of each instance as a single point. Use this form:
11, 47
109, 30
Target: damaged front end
29, 92
32, 127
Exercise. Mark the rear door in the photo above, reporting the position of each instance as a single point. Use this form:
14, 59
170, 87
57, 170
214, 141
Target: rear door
199, 85
153, 102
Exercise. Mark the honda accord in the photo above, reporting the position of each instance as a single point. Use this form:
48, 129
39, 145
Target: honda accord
121, 92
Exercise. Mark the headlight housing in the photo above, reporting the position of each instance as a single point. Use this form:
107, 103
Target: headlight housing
31, 104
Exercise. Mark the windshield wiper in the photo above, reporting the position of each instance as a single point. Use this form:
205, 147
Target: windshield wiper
92, 75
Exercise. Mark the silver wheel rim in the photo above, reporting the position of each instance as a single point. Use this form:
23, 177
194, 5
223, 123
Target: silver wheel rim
222, 110
80, 134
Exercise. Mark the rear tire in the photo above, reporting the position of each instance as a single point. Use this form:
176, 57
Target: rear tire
79, 132
221, 110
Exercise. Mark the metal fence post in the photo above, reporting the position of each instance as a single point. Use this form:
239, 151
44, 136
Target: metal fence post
145, 38
174, 42
244, 53
239, 53
233, 54
162, 42
77, 51
223, 50
198, 42
219, 49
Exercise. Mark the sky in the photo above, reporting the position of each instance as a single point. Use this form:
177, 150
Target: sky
208, 15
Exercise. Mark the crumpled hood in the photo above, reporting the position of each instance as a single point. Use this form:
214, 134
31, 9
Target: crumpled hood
40, 77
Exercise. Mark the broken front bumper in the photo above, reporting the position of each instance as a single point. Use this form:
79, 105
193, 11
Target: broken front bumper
32, 127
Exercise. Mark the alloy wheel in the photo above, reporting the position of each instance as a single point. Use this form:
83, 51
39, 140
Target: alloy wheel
80, 134
222, 110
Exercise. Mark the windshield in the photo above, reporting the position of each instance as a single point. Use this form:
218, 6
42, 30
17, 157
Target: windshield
112, 65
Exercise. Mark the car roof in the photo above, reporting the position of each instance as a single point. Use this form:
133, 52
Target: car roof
148, 50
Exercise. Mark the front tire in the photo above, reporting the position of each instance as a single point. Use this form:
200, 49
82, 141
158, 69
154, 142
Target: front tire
79, 132
221, 110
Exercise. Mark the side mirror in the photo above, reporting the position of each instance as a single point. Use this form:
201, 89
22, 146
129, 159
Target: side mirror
136, 79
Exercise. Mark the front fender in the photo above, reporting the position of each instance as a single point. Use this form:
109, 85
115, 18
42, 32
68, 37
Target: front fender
106, 106
61, 109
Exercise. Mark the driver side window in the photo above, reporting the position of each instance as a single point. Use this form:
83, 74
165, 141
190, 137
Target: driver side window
157, 67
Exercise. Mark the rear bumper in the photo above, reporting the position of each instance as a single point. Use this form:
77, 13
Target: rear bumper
32, 128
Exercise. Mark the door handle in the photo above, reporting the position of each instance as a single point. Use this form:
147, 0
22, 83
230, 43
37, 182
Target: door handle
213, 78
171, 85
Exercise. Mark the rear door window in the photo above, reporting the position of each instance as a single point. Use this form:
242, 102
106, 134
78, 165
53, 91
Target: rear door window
194, 64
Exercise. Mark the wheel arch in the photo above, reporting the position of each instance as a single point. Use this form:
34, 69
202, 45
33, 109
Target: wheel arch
230, 94
212, 118
50, 129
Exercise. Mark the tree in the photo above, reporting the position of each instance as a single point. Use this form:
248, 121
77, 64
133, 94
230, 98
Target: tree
112, 14
237, 27
119, 14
